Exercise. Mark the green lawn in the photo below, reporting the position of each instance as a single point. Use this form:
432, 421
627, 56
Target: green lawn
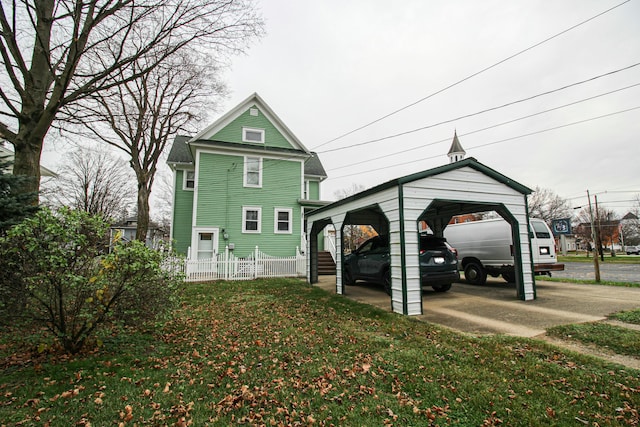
630, 316
615, 338
620, 258
278, 352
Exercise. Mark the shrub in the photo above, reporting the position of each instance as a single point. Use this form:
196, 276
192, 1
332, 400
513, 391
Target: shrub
61, 277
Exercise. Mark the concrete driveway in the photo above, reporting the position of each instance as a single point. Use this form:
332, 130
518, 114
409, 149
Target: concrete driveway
493, 308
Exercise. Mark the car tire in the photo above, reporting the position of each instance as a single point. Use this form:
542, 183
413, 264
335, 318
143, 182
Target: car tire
442, 288
386, 282
475, 274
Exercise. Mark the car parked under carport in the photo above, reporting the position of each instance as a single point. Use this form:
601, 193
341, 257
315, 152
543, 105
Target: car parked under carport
370, 262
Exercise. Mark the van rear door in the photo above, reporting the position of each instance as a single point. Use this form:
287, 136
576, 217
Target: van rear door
543, 247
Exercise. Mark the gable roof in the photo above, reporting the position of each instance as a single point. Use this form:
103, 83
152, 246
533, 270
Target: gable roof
470, 163
253, 100
180, 154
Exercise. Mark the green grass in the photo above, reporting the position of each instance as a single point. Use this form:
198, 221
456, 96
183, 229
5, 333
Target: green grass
630, 316
620, 258
615, 338
278, 352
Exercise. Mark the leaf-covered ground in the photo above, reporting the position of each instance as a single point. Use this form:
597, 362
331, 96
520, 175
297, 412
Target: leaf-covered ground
278, 352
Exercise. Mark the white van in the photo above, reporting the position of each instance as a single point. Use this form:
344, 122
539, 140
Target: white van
486, 248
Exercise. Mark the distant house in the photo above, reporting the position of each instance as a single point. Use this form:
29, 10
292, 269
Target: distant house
125, 231
244, 181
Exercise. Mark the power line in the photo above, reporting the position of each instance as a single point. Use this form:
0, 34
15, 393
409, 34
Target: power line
508, 104
494, 142
470, 76
488, 127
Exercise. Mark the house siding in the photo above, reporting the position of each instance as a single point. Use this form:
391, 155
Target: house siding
233, 131
314, 190
221, 197
182, 215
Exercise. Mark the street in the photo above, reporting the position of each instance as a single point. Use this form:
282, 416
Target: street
629, 273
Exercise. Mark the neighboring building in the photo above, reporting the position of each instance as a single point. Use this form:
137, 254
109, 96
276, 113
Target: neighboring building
456, 152
8, 155
244, 181
125, 231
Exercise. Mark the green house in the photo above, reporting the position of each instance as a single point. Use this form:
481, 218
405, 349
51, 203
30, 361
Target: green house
242, 182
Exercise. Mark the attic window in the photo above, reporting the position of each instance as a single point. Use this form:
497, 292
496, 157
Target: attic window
253, 112
252, 135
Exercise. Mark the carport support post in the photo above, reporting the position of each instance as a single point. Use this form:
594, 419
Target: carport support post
312, 253
338, 220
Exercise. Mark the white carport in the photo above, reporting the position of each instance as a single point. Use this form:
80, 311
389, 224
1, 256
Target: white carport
435, 196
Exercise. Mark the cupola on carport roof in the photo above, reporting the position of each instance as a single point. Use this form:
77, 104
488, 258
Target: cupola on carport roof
435, 196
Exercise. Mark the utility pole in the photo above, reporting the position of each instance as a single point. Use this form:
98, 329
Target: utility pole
599, 234
596, 264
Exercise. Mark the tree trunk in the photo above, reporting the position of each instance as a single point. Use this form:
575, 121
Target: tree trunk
143, 212
28, 149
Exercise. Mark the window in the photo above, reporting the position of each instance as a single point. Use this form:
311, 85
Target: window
282, 221
251, 219
253, 135
252, 172
189, 180
306, 190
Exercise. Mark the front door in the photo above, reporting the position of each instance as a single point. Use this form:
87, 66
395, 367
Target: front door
205, 243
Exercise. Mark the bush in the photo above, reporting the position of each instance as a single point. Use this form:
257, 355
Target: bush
60, 277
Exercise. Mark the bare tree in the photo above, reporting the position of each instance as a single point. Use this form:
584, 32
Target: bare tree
163, 200
630, 224
97, 182
55, 53
605, 224
142, 116
547, 205
353, 234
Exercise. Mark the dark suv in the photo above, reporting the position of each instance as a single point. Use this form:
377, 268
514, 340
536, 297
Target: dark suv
370, 262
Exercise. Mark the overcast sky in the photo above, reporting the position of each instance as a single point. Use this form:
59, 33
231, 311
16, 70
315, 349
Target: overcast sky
327, 68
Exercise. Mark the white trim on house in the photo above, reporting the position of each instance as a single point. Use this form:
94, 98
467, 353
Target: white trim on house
247, 131
277, 221
253, 101
173, 205
246, 209
194, 213
246, 171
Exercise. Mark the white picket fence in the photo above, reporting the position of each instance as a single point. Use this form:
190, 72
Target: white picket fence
226, 266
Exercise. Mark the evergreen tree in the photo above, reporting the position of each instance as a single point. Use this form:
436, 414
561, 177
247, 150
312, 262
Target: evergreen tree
14, 205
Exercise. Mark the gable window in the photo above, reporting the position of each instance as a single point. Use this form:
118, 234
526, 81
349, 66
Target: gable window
252, 172
251, 219
189, 180
252, 135
282, 218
